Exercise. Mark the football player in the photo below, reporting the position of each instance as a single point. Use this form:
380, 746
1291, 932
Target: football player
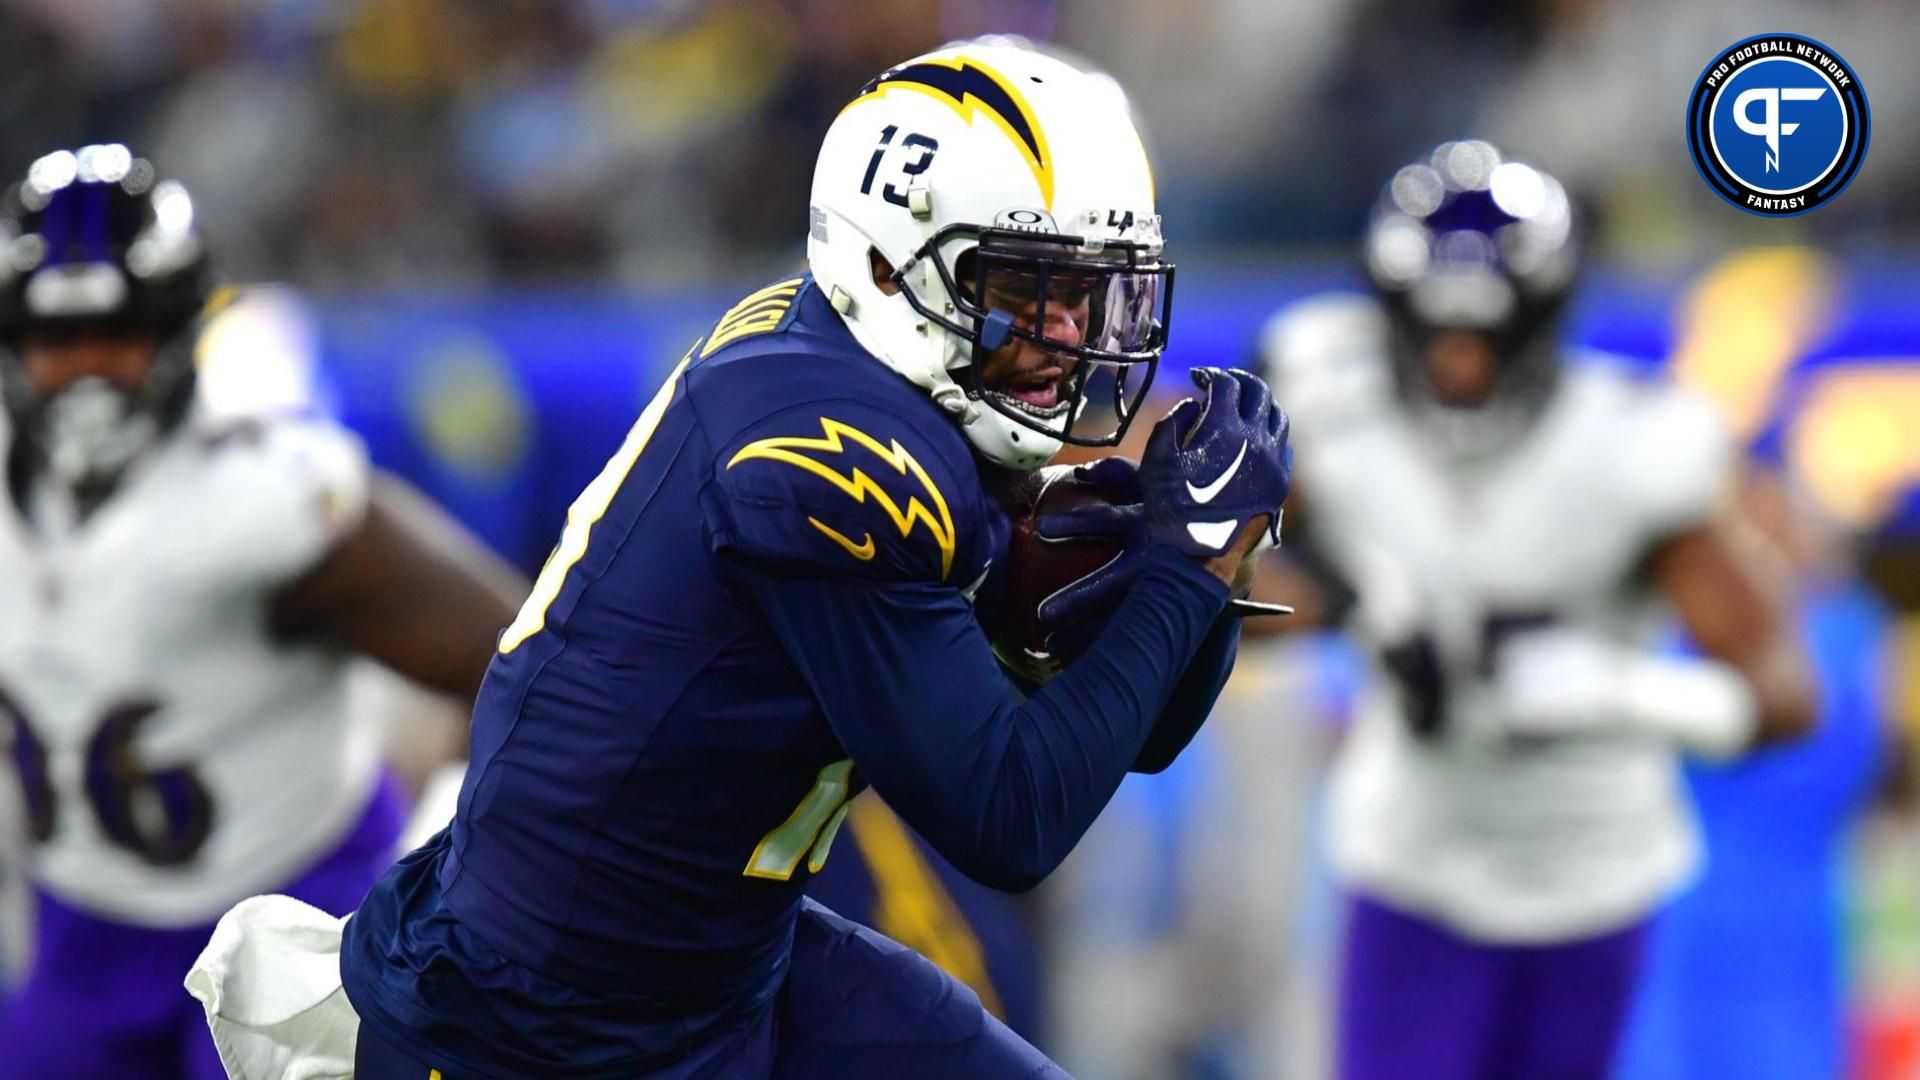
183, 594
1507, 812
764, 604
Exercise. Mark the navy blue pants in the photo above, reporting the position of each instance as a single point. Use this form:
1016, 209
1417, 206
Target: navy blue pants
855, 1004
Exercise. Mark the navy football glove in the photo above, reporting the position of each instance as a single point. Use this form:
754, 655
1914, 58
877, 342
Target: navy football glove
1259, 470
1216, 463
1122, 520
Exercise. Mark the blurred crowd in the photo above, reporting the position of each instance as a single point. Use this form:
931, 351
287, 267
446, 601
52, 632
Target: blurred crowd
634, 142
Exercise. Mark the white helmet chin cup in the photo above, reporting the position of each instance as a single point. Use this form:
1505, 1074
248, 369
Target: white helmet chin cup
1004, 442
985, 135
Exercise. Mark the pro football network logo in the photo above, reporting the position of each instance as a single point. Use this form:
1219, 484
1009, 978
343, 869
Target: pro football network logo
1777, 124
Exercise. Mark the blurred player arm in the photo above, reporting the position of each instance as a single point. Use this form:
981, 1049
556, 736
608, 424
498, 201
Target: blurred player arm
409, 587
1732, 592
1747, 685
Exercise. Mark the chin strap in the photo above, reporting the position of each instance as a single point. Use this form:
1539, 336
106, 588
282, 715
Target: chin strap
948, 395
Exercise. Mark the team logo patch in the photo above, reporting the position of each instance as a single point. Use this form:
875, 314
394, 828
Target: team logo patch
1778, 124
821, 456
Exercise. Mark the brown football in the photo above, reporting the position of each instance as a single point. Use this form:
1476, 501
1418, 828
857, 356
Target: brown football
1036, 568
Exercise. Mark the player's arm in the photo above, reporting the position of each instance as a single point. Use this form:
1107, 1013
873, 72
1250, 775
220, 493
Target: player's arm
409, 587
1728, 584
1124, 517
1297, 575
1750, 683
1732, 593
1075, 614
1003, 787
1192, 699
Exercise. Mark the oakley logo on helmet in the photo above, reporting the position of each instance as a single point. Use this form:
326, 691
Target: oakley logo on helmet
1777, 124
1030, 220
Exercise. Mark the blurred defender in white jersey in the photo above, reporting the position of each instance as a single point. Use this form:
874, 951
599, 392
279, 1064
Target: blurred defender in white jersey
1514, 527
182, 594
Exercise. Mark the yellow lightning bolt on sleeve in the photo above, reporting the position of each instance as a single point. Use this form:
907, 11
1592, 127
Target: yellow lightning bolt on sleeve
835, 436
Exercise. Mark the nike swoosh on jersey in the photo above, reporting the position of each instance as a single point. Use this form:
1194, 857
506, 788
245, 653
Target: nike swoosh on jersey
863, 550
1205, 494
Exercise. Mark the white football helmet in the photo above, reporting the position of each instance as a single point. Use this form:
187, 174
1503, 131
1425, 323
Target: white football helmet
990, 168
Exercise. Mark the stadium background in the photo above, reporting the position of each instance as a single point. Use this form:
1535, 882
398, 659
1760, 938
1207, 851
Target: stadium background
499, 221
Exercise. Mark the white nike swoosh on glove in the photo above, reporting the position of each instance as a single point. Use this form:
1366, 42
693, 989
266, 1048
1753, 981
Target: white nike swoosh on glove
1204, 495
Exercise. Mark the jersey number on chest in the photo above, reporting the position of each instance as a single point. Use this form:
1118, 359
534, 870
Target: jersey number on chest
161, 815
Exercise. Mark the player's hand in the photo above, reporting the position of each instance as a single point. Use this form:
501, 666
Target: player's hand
1084, 605
1558, 682
1117, 479
1216, 464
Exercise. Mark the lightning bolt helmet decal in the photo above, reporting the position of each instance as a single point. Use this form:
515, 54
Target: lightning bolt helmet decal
971, 89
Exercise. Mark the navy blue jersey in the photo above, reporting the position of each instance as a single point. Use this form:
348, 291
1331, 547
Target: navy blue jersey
650, 776
769, 582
